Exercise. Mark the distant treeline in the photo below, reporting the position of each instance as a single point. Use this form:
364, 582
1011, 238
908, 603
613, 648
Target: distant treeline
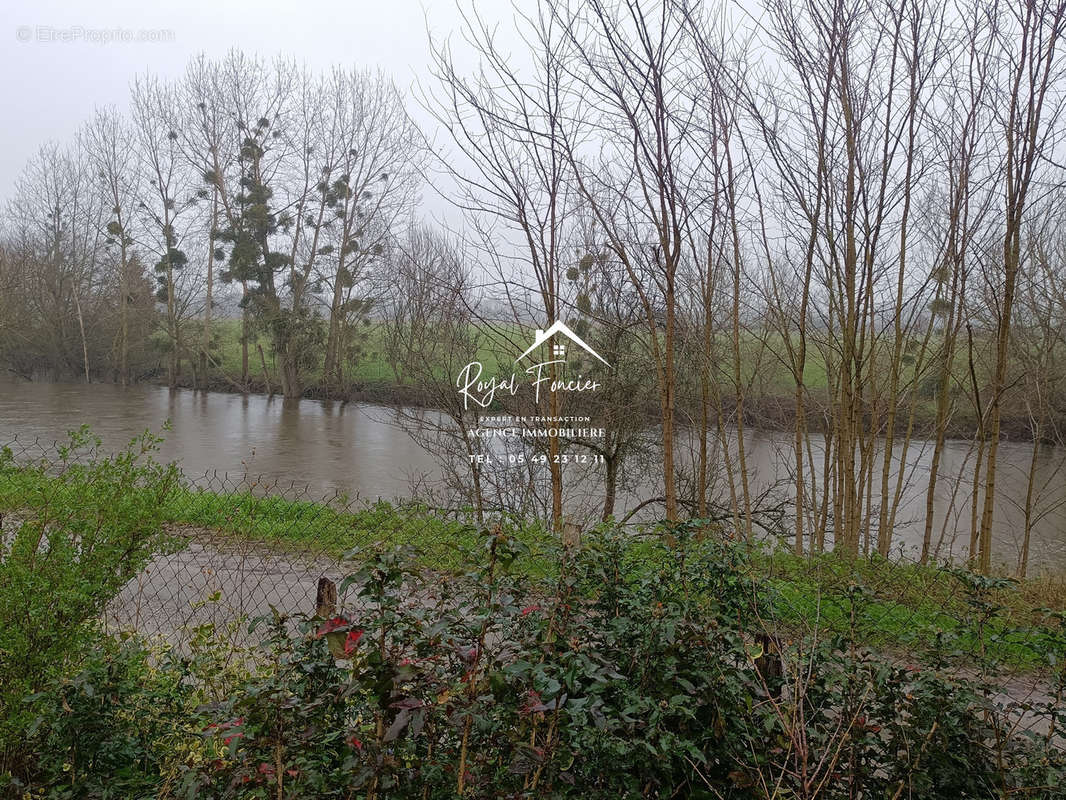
244, 181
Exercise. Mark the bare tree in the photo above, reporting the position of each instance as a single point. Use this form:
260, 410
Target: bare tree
1032, 35
58, 216
371, 189
510, 129
429, 337
110, 147
166, 199
632, 164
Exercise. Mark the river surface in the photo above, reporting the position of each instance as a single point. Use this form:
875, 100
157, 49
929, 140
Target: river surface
357, 449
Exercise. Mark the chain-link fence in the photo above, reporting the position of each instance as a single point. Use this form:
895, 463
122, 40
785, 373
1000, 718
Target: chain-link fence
236, 547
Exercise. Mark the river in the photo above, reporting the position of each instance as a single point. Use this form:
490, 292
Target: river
357, 449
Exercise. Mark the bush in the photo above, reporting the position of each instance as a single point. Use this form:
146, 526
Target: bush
646, 671
104, 731
67, 547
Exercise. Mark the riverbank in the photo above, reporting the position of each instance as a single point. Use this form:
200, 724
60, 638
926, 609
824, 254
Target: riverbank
373, 379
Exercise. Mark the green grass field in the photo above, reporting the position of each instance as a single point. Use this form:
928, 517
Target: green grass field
765, 369
370, 366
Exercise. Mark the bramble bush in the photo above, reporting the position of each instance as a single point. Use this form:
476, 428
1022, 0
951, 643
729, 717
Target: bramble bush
655, 671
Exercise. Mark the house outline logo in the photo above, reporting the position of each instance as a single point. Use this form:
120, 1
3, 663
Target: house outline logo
558, 326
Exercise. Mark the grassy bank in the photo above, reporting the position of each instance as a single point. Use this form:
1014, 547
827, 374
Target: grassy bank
329, 529
908, 608
370, 367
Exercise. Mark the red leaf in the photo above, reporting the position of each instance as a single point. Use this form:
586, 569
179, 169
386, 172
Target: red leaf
329, 626
351, 641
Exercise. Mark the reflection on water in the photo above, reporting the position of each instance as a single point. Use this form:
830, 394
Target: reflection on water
771, 465
327, 446
352, 448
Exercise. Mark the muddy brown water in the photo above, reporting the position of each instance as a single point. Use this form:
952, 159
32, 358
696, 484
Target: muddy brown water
358, 449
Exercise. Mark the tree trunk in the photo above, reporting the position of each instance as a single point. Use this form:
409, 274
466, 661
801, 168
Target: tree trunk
331, 362
244, 335
84, 343
1023, 558
670, 489
124, 317
610, 485
205, 339
1012, 256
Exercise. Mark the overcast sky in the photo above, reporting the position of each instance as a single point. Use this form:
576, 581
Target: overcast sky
55, 67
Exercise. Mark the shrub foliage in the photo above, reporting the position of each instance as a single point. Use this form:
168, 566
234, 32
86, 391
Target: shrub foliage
657, 671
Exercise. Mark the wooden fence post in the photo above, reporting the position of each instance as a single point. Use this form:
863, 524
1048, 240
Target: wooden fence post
571, 535
326, 600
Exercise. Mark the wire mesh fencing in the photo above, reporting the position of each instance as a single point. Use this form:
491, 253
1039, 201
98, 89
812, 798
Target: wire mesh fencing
225, 549
229, 548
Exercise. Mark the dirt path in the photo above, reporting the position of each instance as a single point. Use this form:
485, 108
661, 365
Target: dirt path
218, 580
